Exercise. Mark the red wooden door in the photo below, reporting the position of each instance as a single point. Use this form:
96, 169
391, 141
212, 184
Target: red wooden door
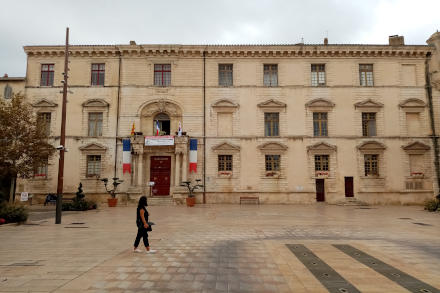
349, 187
160, 171
320, 192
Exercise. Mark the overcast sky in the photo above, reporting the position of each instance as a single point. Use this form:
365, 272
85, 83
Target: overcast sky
43, 22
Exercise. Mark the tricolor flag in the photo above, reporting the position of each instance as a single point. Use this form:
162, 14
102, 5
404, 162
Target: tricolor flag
157, 128
179, 133
132, 129
193, 155
126, 156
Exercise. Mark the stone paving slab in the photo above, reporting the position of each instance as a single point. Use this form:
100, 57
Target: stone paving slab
217, 248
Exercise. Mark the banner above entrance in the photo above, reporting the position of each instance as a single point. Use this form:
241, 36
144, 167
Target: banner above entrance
159, 140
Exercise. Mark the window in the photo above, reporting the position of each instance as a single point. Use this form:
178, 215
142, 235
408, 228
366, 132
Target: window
41, 170
161, 124
416, 164
366, 74
162, 74
321, 162
318, 74
369, 124
371, 165
93, 165
7, 92
413, 124
272, 162
47, 75
270, 75
224, 162
225, 75
98, 74
271, 123
43, 120
320, 124
95, 124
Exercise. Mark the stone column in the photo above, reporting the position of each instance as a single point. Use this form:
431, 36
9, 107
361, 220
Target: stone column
139, 165
177, 171
184, 167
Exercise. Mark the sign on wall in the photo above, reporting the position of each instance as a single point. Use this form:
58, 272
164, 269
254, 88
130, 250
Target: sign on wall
159, 140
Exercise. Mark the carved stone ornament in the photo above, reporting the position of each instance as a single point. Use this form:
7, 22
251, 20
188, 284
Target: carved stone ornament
416, 146
371, 145
225, 146
161, 106
412, 103
93, 147
44, 103
272, 146
272, 104
321, 146
368, 104
95, 103
320, 103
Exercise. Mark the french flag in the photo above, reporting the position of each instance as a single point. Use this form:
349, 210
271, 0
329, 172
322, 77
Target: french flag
193, 155
157, 128
126, 156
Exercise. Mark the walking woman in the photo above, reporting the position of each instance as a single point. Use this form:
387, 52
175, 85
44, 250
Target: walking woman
143, 227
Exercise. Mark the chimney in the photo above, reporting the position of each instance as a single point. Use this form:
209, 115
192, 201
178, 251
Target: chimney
325, 41
132, 43
396, 40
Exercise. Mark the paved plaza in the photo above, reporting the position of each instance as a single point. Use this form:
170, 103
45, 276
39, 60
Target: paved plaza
227, 248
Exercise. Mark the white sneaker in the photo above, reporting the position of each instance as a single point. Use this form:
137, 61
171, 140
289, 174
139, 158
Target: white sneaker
137, 250
151, 251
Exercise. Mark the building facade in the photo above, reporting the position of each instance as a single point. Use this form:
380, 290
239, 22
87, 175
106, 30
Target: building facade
284, 123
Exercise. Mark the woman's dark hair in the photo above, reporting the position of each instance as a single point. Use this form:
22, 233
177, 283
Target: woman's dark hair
142, 202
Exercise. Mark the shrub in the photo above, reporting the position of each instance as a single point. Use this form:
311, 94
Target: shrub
79, 205
13, 213
431, 205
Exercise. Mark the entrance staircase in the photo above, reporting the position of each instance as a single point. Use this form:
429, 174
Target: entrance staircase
351, 201
161, 201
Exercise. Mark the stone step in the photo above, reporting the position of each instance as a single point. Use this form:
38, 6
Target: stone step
351, 201
161, 201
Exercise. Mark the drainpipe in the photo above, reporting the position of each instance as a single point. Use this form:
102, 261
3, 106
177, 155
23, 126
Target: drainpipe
204, 126
434, 136
117, 113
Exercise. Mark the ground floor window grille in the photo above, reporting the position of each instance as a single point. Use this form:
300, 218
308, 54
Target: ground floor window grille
93, 165
371, 163
272, 162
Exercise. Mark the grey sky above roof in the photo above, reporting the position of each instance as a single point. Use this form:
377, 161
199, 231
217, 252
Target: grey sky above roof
43, 22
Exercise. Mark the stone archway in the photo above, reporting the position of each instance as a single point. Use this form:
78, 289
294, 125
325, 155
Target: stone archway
151, 109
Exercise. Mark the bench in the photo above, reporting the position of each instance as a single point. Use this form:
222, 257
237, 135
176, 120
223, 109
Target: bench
245, 199
52, 199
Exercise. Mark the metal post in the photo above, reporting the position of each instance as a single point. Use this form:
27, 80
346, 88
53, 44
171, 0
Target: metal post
63, 135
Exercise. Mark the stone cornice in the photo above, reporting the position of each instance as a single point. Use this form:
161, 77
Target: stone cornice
235, 51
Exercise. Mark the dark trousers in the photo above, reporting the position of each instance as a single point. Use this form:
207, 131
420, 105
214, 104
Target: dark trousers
142, 233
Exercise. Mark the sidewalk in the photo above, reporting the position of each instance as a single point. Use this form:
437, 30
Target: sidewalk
221, 248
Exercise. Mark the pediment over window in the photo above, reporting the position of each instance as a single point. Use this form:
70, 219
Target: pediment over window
412, 103
225, 104
225, 147
93, 147
320, 103
95, 103
44, 103
272, 104
321, 146
272, 146
416, 146
368, 104
371, 145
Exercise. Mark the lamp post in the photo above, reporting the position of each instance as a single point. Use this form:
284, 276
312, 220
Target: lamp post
62, 147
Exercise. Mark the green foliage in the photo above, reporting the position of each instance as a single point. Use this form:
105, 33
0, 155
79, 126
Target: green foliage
23, 142
431, 205
13, 213
79, 205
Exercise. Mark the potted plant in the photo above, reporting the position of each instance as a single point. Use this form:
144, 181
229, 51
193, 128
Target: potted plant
191, 199
112, 201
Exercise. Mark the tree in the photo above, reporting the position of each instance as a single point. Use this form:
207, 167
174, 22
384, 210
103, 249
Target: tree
23, 140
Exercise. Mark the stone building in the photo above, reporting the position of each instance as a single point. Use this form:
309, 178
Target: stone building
286, 123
